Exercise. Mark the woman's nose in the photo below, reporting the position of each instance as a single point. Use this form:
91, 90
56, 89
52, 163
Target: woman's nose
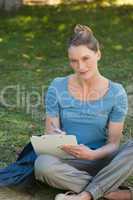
81, 66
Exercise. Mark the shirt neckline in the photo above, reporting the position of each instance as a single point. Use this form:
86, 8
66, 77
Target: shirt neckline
87, 101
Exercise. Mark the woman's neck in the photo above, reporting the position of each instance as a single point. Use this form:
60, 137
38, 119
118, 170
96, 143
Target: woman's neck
91, 83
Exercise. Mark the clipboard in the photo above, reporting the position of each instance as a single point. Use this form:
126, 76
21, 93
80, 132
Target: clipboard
49, 144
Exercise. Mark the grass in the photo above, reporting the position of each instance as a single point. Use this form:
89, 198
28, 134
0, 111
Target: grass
33, 50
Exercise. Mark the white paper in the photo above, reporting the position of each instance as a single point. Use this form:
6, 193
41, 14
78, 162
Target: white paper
49, 144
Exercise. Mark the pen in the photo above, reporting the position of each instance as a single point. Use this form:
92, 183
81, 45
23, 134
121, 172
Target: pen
56, 129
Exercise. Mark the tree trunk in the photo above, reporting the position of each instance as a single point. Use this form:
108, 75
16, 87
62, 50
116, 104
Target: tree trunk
9, 5
1, 4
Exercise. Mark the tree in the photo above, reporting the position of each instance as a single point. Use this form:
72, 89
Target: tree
9, 5
1, 3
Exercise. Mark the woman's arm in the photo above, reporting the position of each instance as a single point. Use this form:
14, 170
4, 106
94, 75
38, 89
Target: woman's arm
83, 152
52, 107
52, 126
48, 124
116, 123
114, 136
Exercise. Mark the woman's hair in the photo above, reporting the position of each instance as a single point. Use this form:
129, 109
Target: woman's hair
83, 35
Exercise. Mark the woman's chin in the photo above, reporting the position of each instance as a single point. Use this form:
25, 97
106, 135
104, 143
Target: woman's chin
86, 76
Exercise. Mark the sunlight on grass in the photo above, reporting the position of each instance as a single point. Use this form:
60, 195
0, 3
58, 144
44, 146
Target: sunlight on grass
1, 59
118, 47
23, 21
124, 2
61, 27
45, 19
39, 58
1, 39
25, 56
115, 20
30, 35
93, 3
108, 3
26, 19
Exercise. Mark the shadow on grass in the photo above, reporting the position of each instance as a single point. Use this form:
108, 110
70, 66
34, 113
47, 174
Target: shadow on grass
35, 193
37, 28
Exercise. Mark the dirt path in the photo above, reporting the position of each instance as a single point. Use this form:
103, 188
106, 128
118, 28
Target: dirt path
41, 194
8, 194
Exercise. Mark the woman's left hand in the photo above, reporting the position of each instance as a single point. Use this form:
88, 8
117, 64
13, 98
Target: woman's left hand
79, 151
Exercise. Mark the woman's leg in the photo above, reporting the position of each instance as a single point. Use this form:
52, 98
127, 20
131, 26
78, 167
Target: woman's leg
114, 174
70, 174
73, 175
58, 174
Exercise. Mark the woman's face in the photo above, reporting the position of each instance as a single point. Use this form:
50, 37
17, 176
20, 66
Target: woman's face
83, 61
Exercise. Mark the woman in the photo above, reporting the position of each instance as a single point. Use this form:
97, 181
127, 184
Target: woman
93, 108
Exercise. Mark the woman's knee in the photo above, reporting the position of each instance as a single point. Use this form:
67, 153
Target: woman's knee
44, 165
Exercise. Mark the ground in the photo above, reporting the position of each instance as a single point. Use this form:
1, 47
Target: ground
40, 194
33, 51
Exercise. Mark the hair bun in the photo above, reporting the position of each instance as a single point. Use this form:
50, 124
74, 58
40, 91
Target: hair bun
82, 29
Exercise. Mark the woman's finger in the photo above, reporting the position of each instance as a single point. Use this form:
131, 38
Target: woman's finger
70, 151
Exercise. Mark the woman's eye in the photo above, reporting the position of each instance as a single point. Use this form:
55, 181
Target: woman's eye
86, 58
73, 61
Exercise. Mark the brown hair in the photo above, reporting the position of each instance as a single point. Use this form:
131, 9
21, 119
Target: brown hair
83, 35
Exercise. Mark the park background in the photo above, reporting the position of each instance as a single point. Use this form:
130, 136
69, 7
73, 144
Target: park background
33, 51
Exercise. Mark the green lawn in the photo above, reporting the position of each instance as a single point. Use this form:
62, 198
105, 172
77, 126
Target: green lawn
33, 50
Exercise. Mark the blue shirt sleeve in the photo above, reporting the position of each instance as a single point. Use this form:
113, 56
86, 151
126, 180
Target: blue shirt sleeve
51, 100
120, 108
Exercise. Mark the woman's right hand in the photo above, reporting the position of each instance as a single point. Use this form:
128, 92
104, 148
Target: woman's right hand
52, 126
57, 130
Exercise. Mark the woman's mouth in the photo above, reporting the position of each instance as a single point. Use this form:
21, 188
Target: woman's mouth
82, 73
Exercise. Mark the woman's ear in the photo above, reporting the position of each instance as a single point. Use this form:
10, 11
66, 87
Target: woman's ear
99, 54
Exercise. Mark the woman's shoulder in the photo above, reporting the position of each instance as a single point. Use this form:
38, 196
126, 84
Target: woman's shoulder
117, 88
58, 82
